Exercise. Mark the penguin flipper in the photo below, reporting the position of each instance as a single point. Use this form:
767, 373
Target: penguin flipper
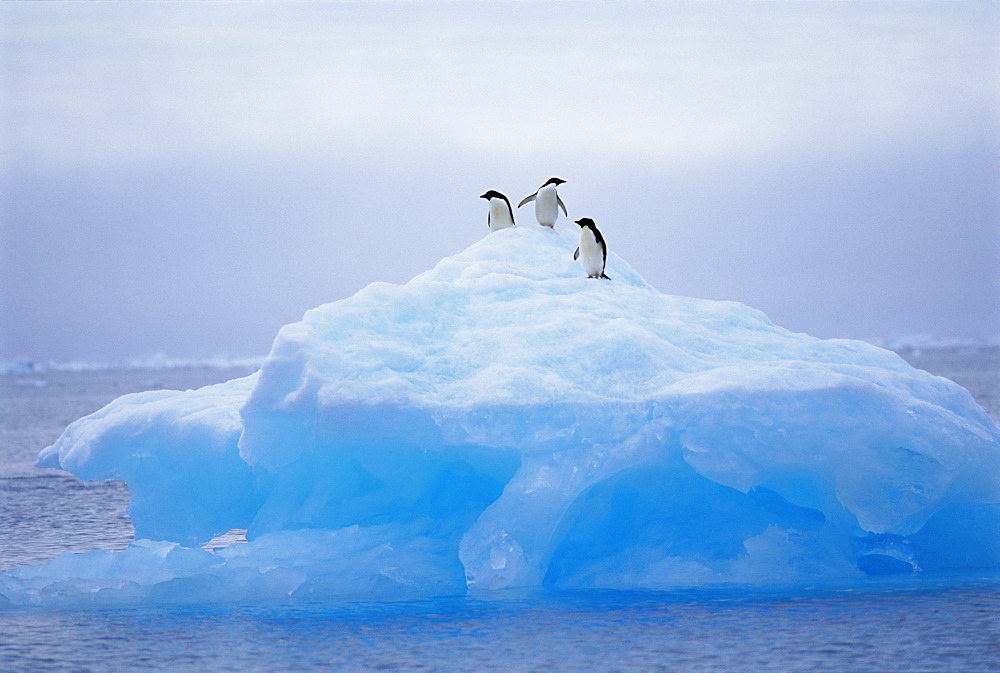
528, 199
563, 205
576, 255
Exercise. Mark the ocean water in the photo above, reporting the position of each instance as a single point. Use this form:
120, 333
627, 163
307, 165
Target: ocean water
921, 623
898, 629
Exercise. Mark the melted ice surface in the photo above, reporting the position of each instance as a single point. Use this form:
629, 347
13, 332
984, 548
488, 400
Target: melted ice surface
501, 421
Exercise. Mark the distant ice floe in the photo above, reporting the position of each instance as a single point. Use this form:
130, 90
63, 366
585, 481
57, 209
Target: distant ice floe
918, 342
152, 362
501, 421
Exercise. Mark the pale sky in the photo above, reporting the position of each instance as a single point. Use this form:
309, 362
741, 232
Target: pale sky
185, 178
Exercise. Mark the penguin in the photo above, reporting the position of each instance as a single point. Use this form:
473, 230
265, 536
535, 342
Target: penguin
593, 251
501, 215
547, 203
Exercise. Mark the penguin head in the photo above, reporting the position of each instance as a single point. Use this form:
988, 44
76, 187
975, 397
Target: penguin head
586, 222
493, 194
553, 181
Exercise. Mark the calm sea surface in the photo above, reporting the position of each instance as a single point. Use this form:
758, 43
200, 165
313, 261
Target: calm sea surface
914, 624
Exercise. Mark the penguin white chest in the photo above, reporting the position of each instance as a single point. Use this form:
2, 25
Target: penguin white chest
591, 254
500, 215
546, 206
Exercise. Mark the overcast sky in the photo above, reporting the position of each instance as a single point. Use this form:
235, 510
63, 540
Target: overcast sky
185, 178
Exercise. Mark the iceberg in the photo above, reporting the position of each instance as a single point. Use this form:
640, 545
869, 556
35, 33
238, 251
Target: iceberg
502, 421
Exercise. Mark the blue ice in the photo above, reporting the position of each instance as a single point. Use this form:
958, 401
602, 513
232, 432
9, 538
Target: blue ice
501, 421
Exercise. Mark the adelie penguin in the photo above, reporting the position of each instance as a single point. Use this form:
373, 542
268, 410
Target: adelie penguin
547, 203
501, 215
593, 251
